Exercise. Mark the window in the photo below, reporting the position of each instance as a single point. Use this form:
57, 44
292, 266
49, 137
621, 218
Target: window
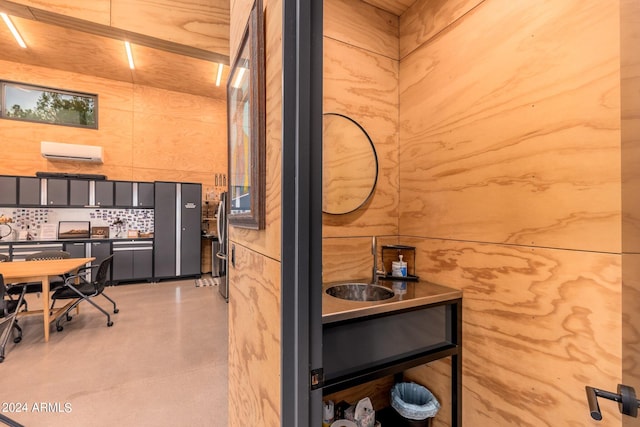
45, 105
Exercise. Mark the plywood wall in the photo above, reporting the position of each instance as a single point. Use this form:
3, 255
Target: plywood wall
147, 134
254, 288
360, 80
630, 103
510, 188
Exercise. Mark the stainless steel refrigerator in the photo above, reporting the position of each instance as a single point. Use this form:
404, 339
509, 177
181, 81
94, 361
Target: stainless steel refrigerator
221, 254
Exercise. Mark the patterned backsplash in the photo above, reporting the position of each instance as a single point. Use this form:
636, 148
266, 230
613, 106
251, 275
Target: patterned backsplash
118, 220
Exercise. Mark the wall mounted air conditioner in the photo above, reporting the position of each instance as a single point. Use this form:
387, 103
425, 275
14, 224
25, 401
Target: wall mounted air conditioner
71, 152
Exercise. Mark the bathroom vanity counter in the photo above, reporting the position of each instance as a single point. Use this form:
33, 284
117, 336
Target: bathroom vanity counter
367, 340
407, 295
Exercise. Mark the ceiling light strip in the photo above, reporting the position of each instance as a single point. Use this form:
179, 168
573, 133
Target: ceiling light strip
13, 30
127, 46
219, 75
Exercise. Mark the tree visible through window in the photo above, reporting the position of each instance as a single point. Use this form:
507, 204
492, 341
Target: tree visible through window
32, 103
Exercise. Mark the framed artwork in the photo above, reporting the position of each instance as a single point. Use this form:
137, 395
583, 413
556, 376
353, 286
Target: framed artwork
246, 126
73, 229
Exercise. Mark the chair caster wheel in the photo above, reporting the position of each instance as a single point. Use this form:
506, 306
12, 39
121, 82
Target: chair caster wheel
59, 328
116, 310
109, 324
69, 318
1, 359
17, 340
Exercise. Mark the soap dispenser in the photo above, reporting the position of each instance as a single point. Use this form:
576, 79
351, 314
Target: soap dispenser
399, 268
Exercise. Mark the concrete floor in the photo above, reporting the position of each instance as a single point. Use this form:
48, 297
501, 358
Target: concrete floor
162, 363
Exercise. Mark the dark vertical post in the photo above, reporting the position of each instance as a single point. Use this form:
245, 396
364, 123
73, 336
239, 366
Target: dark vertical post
301, 211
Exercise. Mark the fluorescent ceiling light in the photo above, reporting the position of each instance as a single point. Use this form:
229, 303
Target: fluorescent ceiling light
238, 80
127, 46
219, 76
13, 30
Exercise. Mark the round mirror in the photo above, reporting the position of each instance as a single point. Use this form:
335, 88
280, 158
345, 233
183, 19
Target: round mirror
349, 165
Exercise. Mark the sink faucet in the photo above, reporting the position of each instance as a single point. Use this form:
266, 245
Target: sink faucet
375, 271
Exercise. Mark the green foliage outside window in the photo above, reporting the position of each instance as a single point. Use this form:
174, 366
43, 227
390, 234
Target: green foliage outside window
32, 103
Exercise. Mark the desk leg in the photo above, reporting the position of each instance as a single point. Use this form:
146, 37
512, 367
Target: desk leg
45, 307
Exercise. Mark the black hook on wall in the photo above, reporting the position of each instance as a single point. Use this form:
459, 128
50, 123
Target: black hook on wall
626, 398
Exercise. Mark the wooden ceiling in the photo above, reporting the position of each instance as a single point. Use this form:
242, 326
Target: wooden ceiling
67, 49
82, 49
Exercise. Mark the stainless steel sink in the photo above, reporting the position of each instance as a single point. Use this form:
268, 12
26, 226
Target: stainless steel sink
360, 292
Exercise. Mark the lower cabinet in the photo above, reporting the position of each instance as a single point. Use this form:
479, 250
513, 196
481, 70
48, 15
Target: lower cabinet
132, 260
21, 251
99, 251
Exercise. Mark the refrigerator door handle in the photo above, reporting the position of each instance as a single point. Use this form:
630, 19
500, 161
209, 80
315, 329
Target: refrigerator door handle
220, 219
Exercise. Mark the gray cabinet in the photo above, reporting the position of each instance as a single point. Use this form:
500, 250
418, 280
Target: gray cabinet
75, 249
165, 229
104, 193
28, 191
67, 192
177, 229
190, 221
57, 192
99, 251
8, 190
78, 192
134, 194
123, 191
132, 260
145, 194
19, 251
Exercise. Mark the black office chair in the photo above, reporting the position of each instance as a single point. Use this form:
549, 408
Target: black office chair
8, 315
32, 288
85, 291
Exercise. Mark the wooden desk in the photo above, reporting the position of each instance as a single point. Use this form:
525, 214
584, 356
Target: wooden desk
39, 271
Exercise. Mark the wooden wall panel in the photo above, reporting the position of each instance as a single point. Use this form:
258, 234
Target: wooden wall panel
436, 377
630, 104
267, 241
506, 139
363, 86
360, 25
510, 132
630, 328
254, 340
539, 325
425, 19
254, 302
350, 259
630, 120
133, 121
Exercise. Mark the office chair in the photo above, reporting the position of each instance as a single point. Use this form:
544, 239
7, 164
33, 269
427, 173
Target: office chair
85, 291
32, 288
8, 315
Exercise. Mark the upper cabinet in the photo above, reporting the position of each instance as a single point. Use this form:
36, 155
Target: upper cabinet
103, 193
133, 194
28, 191
64, 192
57, 192
67, 192
145, 194
8, 190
